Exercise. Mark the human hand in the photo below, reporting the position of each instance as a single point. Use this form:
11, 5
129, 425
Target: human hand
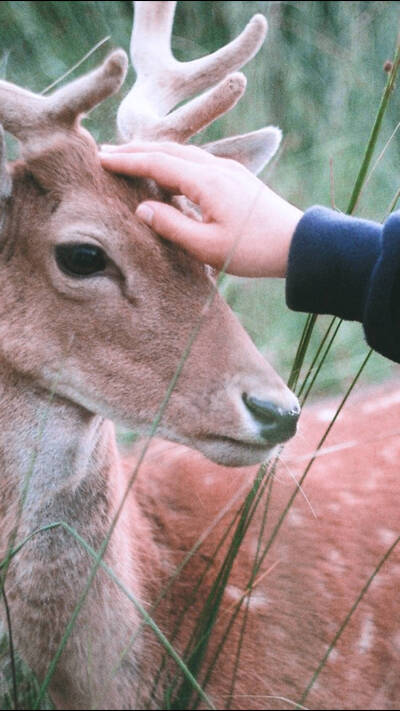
246, 228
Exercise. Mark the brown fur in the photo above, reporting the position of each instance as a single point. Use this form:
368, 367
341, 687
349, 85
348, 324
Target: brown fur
76, 351
336, 533
87, 344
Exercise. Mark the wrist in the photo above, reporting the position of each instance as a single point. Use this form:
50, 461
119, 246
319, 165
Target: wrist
281, 221
291, 220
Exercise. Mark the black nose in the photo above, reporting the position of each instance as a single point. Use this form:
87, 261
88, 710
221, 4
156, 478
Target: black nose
277, 424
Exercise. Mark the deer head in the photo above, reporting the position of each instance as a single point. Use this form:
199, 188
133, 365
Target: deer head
93, 303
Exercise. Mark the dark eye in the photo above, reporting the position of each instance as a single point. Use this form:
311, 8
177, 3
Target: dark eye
80, 259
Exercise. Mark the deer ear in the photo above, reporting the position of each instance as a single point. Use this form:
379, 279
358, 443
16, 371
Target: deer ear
5, 180
253, 150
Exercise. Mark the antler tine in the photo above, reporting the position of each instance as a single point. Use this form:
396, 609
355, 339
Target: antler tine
192, 117
27, 115
163, 82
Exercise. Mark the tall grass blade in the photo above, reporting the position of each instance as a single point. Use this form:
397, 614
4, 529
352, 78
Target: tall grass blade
361, 177
195, 656
356, 193
11, 648
314, 456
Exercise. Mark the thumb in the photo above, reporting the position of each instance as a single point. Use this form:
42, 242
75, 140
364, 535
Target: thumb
170, 223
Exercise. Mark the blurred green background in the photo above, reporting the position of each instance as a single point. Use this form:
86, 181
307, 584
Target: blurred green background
319, 77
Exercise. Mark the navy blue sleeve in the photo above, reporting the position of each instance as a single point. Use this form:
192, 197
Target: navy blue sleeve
349, 268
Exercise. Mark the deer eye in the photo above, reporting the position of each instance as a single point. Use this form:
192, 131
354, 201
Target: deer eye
80, 260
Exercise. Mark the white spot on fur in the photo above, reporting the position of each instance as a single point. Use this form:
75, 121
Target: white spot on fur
257, 598
381, 403
294, 518
334, 556
254, 546
334, 656
233, 592
326, 414
365, 641
335, 508
349, 498
386, 536
389, 454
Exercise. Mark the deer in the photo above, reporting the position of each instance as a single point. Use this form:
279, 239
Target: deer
104, 322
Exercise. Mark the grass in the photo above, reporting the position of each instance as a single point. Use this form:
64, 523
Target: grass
323, 60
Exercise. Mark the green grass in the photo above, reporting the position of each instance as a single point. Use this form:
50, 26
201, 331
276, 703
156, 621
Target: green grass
320, 78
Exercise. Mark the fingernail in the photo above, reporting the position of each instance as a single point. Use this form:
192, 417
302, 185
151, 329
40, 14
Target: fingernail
145, 213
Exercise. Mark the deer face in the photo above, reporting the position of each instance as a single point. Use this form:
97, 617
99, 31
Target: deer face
100, 309
94, 305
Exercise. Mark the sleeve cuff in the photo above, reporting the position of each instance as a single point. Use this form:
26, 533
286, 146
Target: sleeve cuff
331, 260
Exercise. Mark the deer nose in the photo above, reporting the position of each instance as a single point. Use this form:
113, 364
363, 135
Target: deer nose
277, 423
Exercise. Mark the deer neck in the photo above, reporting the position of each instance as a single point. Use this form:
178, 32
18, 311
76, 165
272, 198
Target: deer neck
54, 455
61, 461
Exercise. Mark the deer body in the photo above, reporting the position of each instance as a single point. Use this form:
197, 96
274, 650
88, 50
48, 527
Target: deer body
317, 567
325, 552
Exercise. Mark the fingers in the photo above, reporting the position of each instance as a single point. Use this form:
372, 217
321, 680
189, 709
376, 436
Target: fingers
175, 174
167, 221
187, 152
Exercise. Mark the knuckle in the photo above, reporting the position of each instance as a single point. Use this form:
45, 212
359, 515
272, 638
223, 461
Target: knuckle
198, 151
235, 165
166, 146
157, 162
156, 158
212, 183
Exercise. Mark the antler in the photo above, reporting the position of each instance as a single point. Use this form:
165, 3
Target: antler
30, 117
163, 82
